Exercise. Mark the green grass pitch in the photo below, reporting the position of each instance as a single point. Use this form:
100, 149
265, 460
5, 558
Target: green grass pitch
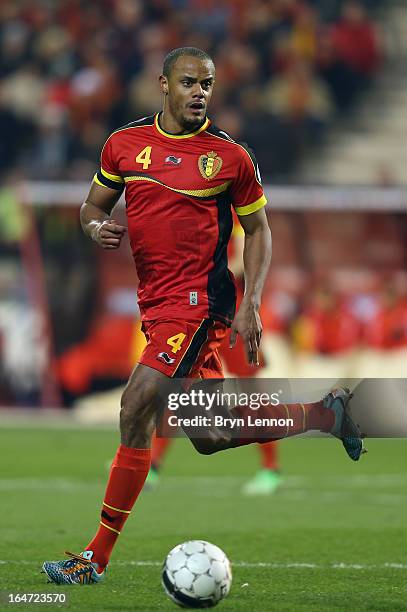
332, 538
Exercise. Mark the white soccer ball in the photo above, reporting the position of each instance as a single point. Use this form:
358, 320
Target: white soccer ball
196, 574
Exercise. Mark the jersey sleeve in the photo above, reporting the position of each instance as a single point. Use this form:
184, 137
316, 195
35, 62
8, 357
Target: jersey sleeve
108, 174
247, 191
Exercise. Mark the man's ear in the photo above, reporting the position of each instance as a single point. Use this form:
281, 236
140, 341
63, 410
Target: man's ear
164, 84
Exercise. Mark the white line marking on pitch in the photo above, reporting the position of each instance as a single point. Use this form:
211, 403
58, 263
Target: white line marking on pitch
246, 564
291, 484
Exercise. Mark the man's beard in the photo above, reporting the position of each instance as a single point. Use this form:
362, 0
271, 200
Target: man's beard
191, 124
188, 125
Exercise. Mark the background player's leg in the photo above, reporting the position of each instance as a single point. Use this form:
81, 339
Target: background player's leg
268, 478
132, 461
159, 448
269, 455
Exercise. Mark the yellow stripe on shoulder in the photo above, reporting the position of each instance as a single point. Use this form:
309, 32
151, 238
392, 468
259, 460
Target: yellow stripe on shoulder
95, 178
251, 208
112, 177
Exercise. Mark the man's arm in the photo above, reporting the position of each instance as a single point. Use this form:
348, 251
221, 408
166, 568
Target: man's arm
256, 257
95, 217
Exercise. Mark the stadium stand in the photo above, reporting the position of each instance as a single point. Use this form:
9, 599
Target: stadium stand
368, 145
71, 71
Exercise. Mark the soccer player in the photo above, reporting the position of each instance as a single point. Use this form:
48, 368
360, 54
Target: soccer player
181, 176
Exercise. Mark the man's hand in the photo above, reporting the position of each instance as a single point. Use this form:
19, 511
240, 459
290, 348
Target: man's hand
95, 217
108, 234
248, 325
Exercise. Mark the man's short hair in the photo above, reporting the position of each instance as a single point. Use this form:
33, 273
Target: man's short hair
173, 55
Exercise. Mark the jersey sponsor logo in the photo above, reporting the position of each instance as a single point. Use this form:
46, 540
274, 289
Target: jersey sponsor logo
166, 358
209, 165
171, 159
193, 298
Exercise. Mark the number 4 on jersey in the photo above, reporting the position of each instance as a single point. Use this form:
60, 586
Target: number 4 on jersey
144, 157
176, 342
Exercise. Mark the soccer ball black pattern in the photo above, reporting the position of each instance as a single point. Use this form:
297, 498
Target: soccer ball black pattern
196, 574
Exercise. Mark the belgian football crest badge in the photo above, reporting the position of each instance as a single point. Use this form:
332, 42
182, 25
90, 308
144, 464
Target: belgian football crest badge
209, 165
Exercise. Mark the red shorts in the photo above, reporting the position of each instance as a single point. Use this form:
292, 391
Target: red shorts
184, 348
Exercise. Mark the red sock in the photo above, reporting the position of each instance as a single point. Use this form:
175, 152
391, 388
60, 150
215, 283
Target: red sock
269, 455
158, 450
305, 417
127, 475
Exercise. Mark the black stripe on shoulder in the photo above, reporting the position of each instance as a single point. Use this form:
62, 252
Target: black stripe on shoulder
253, 158
213, 129
249, 151
139, 122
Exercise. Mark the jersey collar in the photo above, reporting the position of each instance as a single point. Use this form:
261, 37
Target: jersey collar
178, 136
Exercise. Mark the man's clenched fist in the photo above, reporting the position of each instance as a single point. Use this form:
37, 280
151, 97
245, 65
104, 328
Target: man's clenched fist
108, 234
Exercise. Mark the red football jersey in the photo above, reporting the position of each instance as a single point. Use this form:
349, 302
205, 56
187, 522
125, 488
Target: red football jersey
179, 191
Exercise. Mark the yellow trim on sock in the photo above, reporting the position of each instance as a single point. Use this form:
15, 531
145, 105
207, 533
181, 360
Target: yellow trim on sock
111, 528
116, 509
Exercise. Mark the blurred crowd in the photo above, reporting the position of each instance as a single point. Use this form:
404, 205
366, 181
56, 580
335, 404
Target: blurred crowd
71, 71
329, 320
320, 320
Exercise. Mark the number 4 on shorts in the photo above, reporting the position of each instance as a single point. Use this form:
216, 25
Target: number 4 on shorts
176, 342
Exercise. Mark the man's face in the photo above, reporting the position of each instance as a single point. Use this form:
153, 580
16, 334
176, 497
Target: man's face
189, 88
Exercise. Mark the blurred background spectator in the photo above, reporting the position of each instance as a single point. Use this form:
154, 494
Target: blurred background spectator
72, 71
